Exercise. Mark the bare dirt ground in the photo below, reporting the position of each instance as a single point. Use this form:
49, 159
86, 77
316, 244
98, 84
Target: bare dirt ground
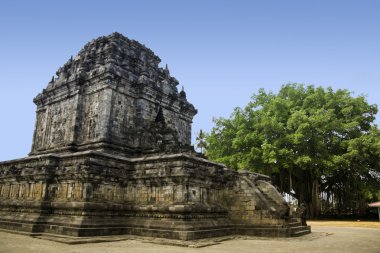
333, 237
357, 224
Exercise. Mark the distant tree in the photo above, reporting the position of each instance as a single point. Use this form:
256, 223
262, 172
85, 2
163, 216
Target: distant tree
309, 140
201, 140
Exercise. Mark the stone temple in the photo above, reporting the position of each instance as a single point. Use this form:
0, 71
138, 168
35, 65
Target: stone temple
112, 154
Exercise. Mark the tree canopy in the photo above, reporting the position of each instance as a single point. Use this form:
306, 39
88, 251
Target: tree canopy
320, 145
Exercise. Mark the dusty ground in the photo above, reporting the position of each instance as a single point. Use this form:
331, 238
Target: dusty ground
358, 223
324, 238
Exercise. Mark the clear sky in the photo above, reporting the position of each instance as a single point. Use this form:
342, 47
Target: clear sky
220, 51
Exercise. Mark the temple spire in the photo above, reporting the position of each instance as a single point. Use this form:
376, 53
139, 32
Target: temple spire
182, 94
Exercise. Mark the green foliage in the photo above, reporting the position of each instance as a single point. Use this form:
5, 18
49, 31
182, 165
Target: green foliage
309, 139
201, 140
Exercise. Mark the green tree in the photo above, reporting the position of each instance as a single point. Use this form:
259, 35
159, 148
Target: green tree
308, 139
201, 140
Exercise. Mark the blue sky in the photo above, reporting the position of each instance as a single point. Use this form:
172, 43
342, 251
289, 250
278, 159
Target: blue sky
220, 51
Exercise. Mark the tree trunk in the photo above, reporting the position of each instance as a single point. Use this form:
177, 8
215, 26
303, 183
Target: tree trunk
315, 199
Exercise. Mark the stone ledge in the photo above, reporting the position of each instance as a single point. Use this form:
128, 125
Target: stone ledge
113, 238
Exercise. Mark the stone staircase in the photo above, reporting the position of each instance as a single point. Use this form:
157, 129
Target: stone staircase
271, 202
297, 229
295, 225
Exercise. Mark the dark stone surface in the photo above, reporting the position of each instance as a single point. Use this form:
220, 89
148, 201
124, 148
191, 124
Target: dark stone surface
111, 155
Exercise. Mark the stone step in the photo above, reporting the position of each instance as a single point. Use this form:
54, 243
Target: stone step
300, 233
300, 230
82, 240
271, 201
297, 229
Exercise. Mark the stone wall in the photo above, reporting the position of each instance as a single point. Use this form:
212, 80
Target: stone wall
112, 95
66, 190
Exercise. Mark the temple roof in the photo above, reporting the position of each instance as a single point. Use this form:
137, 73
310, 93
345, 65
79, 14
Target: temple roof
117, 54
